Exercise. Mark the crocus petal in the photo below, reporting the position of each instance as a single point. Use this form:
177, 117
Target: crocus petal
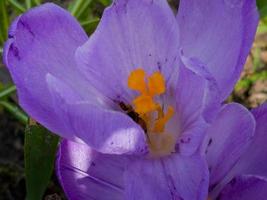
220, 34
86, 174
197, 102
131, 34
103, 129
41, 41
254, 159
210, 92
173, 177
245, 188
228, 138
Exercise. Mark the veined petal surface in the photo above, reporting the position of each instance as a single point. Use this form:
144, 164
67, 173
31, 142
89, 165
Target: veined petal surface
131, 34
97, 125
197, 103
245, 187
220, 34
227, 139
253, 160
42, 41
86, 174
172, 177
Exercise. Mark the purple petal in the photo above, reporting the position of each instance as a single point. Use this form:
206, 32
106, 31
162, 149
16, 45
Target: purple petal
220, 34
42, 41
254, 159
245, 188
132, 34
197, 102
86, 174
173, 177
228, 138
210, 93
103, 129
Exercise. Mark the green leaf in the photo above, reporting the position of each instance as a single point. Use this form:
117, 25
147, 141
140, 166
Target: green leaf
39, 152
262, 6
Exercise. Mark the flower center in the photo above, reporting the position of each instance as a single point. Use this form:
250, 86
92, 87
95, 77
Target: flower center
151, 115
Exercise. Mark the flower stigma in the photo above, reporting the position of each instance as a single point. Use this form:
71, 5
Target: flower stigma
150, 114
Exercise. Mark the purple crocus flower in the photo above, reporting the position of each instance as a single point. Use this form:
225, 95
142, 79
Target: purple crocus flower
134, 100
237, 155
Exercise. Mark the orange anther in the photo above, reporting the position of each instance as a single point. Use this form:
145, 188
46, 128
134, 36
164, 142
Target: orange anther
144, 104
136, 81
151, 112
156, 84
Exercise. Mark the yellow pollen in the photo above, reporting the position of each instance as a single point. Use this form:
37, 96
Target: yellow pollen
144, 104
150, 111
136, 81
156, 84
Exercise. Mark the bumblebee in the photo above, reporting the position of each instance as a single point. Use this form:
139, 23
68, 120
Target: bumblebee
128, 109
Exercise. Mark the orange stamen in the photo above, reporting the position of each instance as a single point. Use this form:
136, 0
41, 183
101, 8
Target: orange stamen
136, 81
156, 84
161, 122
144, 104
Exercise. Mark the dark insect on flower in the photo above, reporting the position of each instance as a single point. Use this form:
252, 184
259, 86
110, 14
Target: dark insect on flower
134, 115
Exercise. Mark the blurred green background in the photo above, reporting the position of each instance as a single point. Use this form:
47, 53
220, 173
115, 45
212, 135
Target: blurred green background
251, 90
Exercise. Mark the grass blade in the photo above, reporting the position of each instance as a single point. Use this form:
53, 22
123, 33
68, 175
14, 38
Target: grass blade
4, 20
7, 91
17, 5
83, 8
28, 4
105, 2
14, 110
76, 6
37, 2
262, 6
90, 25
